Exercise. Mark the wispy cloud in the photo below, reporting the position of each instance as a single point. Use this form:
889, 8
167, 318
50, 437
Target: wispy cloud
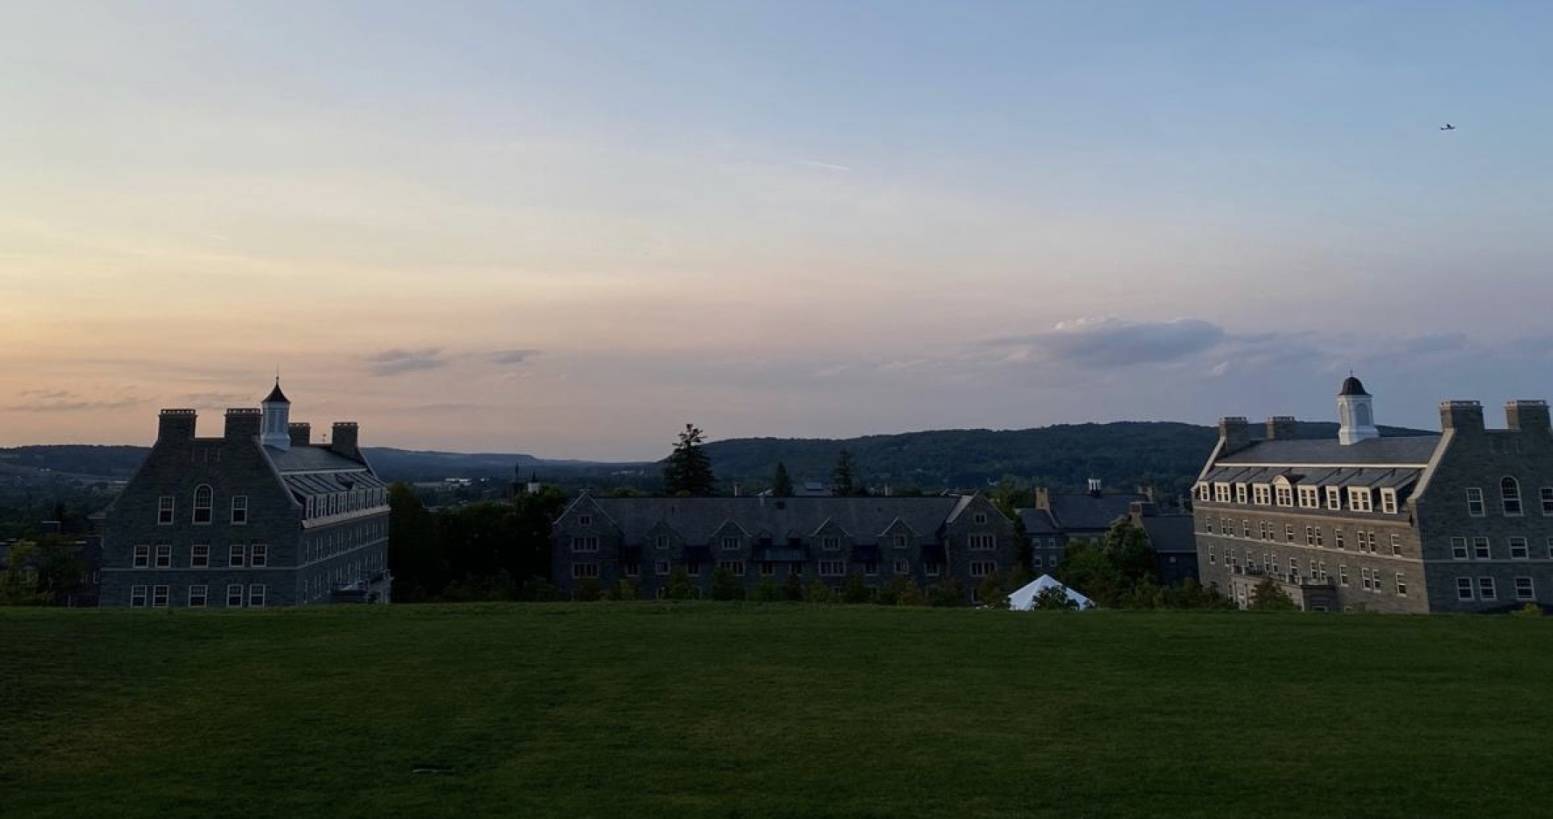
399, 361
1112, 342
513, 356
65, 401
824, 166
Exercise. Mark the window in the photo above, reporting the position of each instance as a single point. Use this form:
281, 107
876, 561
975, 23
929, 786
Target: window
234, 596
1463, 588
235, 556
832, 568
1480, 548
1388, 501
932, 569
1342, 575
159, 597
202, 504
871, 567
1320, 538
239, 510
1474, 502
982, 542
164, 556
663, 541
1309, 497
1036, 562
256, 594
632, 568
1547, 500
1550, 548
1510, 494
1396, 545
1364, 579
584, 520
730, 544
197, 596
1288, 532
830, 543
164, 510
1258, 494
733, 567
1245, 529
1518, 549
1334, 498
1310, 535
1486, 589
901, 541
981, 518
1212, 559
982, 568
1337, 537
1294, 568
588, 543
660, 568
199, 557
1285, 495
581, 570
1359, 499
767, 568
1203, 492
1459, 548
1401, 584
259, 555
1221, 492
1524, 589
142, 557
137, 597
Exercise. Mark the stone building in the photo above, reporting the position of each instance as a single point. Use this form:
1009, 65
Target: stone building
925, 539
1059, 518
260, 516
1456, 521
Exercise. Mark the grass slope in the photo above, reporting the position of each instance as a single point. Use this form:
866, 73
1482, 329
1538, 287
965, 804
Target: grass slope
778, 710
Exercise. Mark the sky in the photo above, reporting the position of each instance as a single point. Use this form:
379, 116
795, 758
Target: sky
569, 228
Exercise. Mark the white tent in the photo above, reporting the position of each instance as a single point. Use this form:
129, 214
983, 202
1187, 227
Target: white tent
1024, 599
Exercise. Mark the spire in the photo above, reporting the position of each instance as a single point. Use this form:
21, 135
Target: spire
276, 426
276, 396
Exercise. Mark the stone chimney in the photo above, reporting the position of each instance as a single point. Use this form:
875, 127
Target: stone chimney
1527, 416
343, 440
1043, 499
1094, 487
301, 433
1465, 417
243, 424
1281, 427
1234, 434
175, 426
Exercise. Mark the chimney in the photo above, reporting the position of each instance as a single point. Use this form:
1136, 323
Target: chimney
175, 426
1234, 434
243, 424
1043, 499
1094, 487
1462, 416
1527, 416
1281, 427
1147, 492
343, 440
301, 433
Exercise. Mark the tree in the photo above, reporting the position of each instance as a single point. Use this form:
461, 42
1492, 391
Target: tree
819, 593
689, 470
946, 594
1054, 598
843, 479
792, 587
725, 586
40, 571
586, 590
1269, 596
855, 590
622, 591
680, 587
781, 482
769, 592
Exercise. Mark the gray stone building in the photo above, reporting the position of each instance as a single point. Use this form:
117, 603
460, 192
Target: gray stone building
259, 516
1456, 521
924, 539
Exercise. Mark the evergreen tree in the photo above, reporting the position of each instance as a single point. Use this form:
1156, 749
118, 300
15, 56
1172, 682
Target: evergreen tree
688, 470
782, 483
843, 479
1268, 596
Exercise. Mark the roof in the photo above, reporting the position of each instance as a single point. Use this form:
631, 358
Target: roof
308, 458
1372, 477
1036, 521
276, 396
1352, 386
1413, 450
1091, 512
697, 520
1170, 533
316, 470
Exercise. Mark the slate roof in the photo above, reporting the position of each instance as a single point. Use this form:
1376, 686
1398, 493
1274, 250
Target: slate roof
1317, 476
317, 470
1409, 449
1171, 533
1091, 512
697, 520
311, 459
1036, 521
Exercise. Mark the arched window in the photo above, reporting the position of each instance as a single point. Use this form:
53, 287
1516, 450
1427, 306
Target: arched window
202, 503
1510, 493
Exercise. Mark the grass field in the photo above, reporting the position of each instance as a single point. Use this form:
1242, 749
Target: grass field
777, 710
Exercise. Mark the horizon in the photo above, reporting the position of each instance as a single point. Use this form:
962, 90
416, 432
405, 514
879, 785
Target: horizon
555, 229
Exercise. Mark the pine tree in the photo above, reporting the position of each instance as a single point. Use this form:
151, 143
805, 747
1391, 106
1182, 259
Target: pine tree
688, 470
843, 479
782, 483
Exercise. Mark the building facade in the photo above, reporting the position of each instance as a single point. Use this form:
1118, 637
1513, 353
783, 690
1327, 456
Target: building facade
1058, 519
260, 516
1460, 521
924, 539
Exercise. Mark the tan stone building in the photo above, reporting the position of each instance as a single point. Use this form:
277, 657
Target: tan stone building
1456, 521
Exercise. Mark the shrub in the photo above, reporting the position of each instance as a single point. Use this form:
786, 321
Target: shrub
1269, 596
1528, 610
586, 590
680, 587
624, 590
769, 592
792, 587
856, 591
946, 594
893, 591
819, 593
725, 586
1054, 598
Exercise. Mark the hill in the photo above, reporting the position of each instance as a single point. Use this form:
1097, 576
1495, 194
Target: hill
775, 710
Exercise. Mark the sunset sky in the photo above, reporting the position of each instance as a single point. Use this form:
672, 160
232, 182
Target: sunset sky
568, 228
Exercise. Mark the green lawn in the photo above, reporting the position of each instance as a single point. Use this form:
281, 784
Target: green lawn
775, 710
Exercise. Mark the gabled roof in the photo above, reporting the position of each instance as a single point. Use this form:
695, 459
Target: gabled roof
1411, 450
697, 520
1036, 521
311, 459
1087, 512
1170, 533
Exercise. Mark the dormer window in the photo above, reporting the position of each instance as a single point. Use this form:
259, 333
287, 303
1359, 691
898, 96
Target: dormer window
584, 520
1221, 492
1334, 498
1240, 492
1204, 492
1309, 497
202, 504
1388, 501
1359, 499
1285, 495
730, 543
1262, 494
1510, 494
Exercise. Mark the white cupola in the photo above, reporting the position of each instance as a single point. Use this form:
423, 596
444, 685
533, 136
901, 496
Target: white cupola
1355, 413
276, 432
